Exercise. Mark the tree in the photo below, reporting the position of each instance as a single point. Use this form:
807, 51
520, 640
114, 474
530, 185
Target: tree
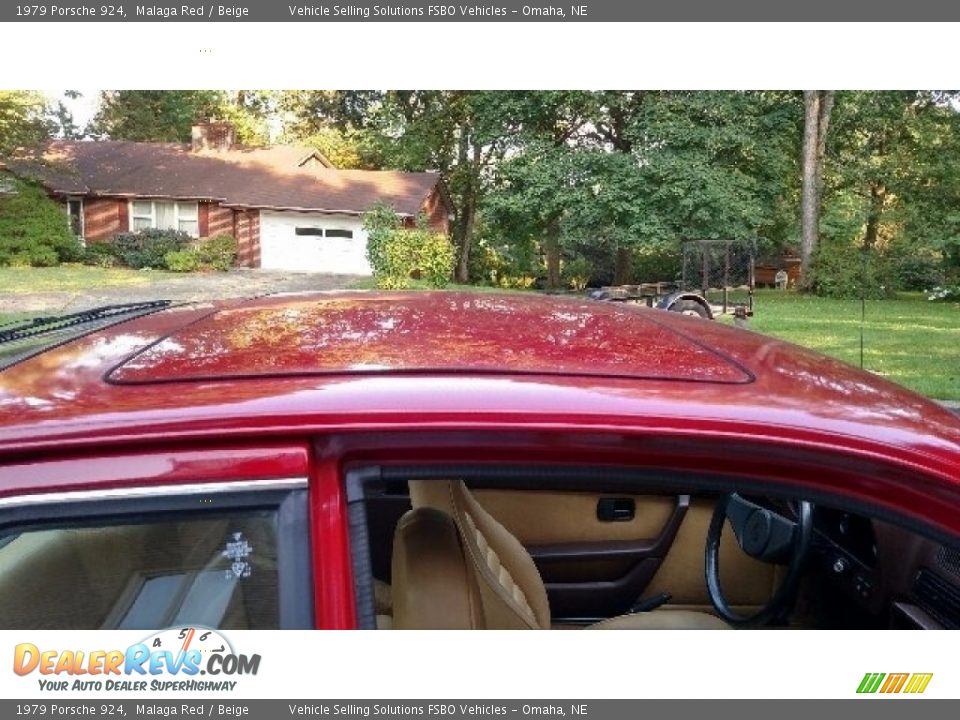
153, 115
458, 133
64, 126
818, 105
24, 121
613, 173
893, 186
168, 115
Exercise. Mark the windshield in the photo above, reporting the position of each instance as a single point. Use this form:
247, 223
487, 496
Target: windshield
25, 338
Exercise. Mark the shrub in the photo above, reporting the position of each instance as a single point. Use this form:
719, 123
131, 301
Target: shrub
577, 273
396, 253
505, 264
843, 270
148, 248
658, 264
949, 293
216, 253
918, 272
100, 254
34, 229
182, 260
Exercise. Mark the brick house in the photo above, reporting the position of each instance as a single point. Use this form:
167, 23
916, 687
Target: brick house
287, 206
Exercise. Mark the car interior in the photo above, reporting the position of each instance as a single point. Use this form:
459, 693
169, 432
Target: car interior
496, 553
143, 575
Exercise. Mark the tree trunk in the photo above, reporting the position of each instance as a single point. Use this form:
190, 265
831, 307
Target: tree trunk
818, 105
623, 267
552, 247
823, 125
465, 213
466, 238
878, 197
808, 192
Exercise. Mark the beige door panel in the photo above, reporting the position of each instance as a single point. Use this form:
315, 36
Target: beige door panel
542, 518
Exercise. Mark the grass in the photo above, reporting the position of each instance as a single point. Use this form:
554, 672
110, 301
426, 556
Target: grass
71, 277
909, 340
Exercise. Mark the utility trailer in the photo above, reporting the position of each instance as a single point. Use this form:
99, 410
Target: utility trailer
717, 278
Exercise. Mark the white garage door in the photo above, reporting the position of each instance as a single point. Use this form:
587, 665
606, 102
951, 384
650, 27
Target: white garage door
310, 242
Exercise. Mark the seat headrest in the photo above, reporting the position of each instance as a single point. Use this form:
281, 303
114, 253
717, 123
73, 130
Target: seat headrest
511, 590
433, 588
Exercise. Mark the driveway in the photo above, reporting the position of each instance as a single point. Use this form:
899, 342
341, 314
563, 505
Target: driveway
186, 288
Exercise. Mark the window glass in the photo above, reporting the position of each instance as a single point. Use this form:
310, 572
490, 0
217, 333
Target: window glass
142, 208
75, 211
187, 211
339, 233
166, 215
220, 572
187, 218
309, 231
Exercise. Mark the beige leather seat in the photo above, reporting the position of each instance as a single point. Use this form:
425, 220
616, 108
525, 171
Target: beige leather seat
456, 567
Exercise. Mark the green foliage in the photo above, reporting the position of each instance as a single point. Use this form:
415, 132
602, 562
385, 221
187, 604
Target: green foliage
100, 254
844, 270
577, 273
396, 253
949, 293
34, 229
153, 115
918, 271
651, 264
505, 264
380, 222
24, 121
346, 149
168, 115
182, 261
218, 252
148, 248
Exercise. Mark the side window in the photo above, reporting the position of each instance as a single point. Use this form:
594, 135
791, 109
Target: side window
236, 568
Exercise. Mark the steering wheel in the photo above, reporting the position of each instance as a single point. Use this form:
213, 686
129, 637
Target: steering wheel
766, 535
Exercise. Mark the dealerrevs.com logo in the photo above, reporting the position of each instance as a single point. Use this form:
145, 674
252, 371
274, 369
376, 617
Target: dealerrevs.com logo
170, 660
891, 683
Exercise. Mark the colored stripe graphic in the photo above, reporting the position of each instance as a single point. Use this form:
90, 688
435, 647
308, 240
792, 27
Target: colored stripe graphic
893, 683
918, 682
870, 682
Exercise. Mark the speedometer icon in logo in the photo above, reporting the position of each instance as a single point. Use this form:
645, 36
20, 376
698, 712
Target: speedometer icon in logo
184, 639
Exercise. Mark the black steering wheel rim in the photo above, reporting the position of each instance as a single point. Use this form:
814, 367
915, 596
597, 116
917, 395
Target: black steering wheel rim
798, 548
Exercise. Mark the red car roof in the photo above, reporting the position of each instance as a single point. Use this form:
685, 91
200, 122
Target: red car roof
302, 364
428, 333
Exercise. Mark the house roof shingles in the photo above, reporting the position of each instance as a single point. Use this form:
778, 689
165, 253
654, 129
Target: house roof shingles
274, 177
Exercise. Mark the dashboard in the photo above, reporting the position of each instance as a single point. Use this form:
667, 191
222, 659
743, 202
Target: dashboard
891, 576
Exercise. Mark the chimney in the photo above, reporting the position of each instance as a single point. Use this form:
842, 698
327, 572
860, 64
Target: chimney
216, 136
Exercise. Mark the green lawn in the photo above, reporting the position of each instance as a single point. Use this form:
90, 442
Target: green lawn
71, 277
909, 340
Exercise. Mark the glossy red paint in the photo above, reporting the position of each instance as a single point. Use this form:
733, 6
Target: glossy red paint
60, 402
334, 605
172, 466
427, 333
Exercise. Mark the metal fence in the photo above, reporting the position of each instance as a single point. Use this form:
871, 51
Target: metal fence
711, 266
